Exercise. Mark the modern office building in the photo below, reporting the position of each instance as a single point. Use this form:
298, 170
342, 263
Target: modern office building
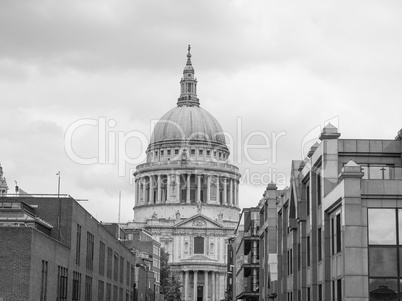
339, 224
51, 248
187, 193
246, 258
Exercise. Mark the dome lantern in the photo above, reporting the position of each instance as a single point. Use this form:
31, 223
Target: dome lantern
188, 85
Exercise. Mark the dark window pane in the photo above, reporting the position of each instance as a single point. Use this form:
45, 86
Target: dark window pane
198, 245
382, 262
400, 225
382, 226
383, 289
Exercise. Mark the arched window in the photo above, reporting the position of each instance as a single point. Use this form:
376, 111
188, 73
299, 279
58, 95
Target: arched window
198, 245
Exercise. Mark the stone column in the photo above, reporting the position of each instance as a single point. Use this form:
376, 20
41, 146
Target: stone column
213, 283
208, 188
218, 199
195, 286
159, 189
186, 285
151, 190
205, 285
198, 188
236, 193
231, 192
137, 192
217, 282
168, 188
225, 197
188, 188
178, 190
144, 190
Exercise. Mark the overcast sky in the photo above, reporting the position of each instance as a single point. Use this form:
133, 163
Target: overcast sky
279, 69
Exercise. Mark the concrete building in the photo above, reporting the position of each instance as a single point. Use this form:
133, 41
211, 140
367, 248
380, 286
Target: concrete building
246, 258
51, 248
339, 225
187, 193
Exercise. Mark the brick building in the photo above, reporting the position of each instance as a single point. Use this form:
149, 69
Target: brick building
336, 232
51, 248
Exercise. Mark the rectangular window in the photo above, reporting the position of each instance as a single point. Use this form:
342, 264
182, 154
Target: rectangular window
208, 152
90, 251
101, 290
298, 257
162, 152
43, 288
121, 269
338, 233
128, 274
320, 292
308, 294
108, 292
62, 279
169, 152
109, 263
88, 288
116, 267
199, 245
200, 152
102, 250
214, 153
319, 244
332, 236
115, 292
308, 251
308, 200
78, 245
76, 286
290, 261
339, 289
121, 296
193, 151
318, 190
176, 151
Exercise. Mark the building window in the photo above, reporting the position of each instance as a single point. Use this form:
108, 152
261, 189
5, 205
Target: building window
308, 200
385, 268
198, 245
176, 151
169, 152
336, 235
339, 289
101, 290
208, 152
320, 292
121, 269
319, 244
156, 154
90, 252
62, 278
116, 267
88, 288
193, 151
43, 290
102, 250
76, 286
108, 292
109, 263
200, 152
290, 252
214, 153
78, 246
308, 251
161, 152
318, 190
298, 257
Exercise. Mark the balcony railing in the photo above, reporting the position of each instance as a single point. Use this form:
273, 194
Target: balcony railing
188, 163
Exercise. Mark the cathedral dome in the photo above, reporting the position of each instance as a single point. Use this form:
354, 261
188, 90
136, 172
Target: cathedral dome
188, 123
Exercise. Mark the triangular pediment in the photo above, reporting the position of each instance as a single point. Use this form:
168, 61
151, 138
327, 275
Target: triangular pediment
198, 221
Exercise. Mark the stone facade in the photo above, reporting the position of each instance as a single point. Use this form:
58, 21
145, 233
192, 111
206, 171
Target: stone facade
186, 194
335, 233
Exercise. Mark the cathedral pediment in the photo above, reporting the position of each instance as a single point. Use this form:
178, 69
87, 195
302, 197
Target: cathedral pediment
198, 221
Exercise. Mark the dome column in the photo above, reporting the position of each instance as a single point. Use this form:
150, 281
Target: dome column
188, 188
168, 188
225, 200
208, 188
236, 200
231, 192
218, 196
144, 190
159, 189
198, 188
151, 190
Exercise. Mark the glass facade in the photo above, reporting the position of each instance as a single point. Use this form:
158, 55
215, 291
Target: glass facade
385, 251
